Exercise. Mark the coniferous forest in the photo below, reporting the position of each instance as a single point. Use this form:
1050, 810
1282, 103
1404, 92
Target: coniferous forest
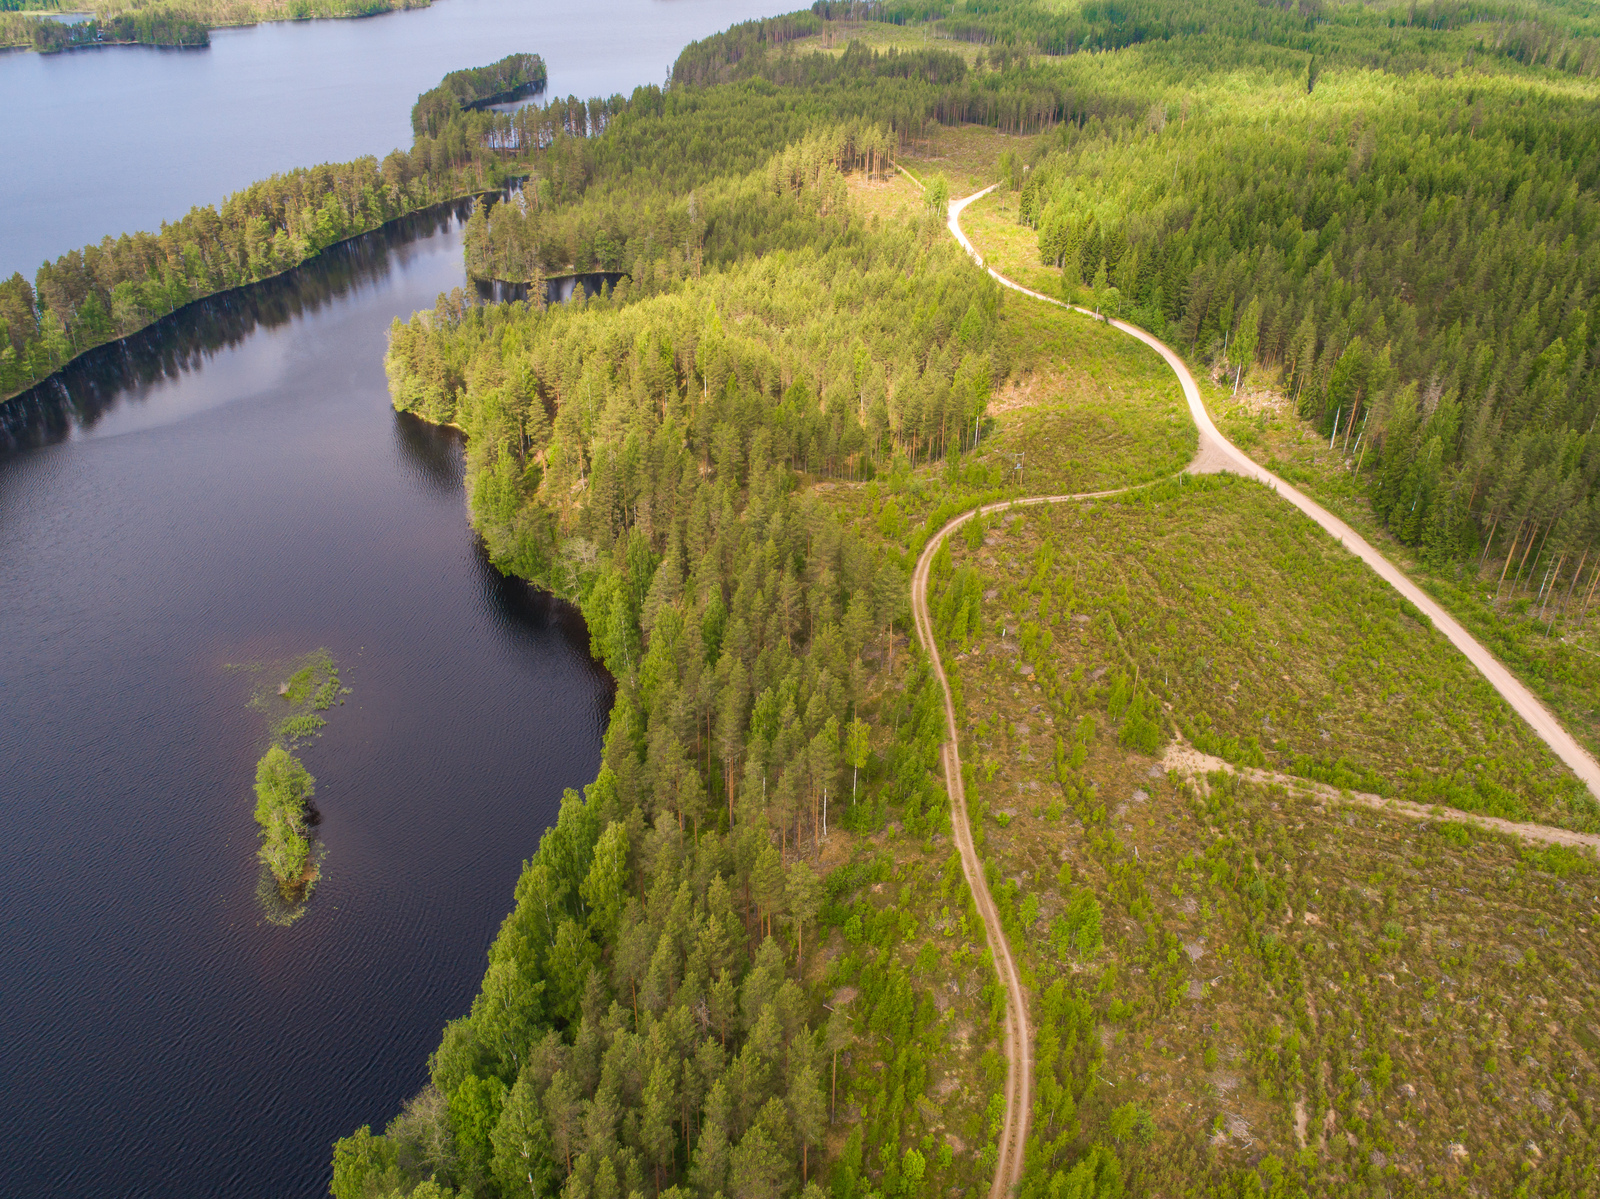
730, 458
186, 24
746, 962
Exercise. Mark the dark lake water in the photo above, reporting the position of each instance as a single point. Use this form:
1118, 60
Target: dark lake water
234, 487
114, 139
230, 487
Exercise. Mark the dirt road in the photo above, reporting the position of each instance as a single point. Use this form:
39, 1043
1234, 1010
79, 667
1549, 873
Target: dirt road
1217, 453
1019, 1040
1214, 453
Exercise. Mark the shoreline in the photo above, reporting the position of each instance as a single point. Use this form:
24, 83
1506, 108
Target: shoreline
114, 342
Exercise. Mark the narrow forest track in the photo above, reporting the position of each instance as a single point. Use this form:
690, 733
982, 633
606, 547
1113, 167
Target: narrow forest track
1217, 453
1019, 1039
1214, 453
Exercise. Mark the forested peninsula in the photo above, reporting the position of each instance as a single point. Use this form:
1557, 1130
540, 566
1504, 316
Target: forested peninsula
745, 960
186, 24
104, 292
512, 78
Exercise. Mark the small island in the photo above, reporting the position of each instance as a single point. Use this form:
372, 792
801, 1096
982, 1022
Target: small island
284, 813
283, 807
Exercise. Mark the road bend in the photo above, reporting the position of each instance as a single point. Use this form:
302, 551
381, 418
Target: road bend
1214, 453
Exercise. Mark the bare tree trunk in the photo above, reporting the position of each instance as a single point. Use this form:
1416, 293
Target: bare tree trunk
1518, 576
1510, 554
1588, 599
1542, 542
1550, 584
1495, 524
1566, 604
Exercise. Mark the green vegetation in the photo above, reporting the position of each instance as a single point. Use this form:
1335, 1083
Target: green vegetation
1296, 998
513, 77
309, 685
312, 686
283, 794
1086, 408
729, 461
110, 290
154, 22
1206, 608
1451, 368
744, 961
1384, 216
1241, 986
145, 27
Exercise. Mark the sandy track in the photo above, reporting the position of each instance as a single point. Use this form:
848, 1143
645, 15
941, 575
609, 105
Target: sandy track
1019, 1039
1217, 453
1214, 453
1184, 759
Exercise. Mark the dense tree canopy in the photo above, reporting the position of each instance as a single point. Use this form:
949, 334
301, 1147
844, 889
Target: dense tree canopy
513, 76
1415, 259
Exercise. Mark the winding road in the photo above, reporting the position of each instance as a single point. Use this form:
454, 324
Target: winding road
1215, 453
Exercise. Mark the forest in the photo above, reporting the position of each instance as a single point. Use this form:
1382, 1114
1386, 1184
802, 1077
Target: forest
744, 961
145, 27
661, 957
1410, 258
715, 979
113, 22
107, 291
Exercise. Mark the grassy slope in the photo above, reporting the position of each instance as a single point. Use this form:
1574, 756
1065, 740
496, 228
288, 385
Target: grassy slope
1561, 665
1558, 656
1086, 407
1407, 987
1365, 999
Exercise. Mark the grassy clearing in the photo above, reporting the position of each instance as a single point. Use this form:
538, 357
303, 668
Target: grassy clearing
1212, 608
1012, 249
880, 36
967, 155
1233, 980
1086, 407
896, 199
1368, 1001
1558, 658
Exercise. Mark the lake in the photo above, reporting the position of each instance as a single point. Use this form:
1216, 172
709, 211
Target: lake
235, 489
109, 140
232, 487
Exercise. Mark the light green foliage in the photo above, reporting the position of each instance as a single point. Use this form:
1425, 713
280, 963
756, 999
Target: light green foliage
1076, 932
309, 685
723, 460
1088, 408
1130, 1121
651, 1017
912, 1168
475, 1108
283, 789
605, 887
1096, 1175
363, 1165
1274, 648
